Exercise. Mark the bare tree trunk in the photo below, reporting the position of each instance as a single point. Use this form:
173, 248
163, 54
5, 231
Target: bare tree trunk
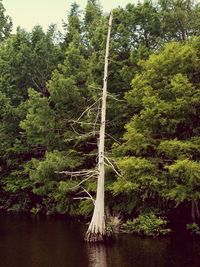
197, 209
97, 229
193, 211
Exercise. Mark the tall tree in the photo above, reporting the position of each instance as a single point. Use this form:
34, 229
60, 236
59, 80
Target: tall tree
160, 152
92, 18
22, 65
97, 229
74, 25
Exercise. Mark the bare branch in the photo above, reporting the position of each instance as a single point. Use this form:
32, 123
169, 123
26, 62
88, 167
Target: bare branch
113, 138
83, 181
75, 130
81, 122
86, 110
95, 87
36, 84
78, 173
115, 98
80, 135
82, 198
86, 174
88, 194
113, 167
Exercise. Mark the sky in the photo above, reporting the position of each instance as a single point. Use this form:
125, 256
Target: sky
28, 13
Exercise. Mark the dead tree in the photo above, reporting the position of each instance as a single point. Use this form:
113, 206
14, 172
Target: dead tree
97, 228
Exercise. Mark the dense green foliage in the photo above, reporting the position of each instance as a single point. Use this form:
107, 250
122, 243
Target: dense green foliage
49, 113
148, 225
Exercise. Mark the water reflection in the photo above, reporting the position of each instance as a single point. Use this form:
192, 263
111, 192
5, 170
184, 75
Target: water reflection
41, 242
27, 241
97, 255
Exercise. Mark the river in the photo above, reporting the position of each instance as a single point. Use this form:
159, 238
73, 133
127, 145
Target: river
55, 241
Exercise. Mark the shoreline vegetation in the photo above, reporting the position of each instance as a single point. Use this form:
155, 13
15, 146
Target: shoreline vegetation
50, 99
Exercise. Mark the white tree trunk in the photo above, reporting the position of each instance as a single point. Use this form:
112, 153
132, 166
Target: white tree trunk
97, 229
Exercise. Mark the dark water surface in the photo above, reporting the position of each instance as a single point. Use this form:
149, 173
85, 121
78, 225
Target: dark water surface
27, 241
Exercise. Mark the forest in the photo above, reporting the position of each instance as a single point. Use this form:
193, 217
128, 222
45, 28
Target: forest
50, 88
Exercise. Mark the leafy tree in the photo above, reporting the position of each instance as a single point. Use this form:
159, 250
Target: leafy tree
5, 23
164, 131
92, 17
74, 25
67, 99
22, 66
50, 124
185, 186
180, 19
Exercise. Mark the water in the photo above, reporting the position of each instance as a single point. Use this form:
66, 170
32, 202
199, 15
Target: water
27, 241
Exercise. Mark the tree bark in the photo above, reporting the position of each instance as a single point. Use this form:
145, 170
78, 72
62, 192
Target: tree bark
97, 228
197, 209
193, 211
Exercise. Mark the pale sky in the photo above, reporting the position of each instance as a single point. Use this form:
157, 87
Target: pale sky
28, 13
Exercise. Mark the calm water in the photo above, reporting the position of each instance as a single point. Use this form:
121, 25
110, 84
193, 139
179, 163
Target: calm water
27, 241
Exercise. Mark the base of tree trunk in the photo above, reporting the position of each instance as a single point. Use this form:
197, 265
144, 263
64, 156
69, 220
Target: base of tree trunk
97, 238
94, 238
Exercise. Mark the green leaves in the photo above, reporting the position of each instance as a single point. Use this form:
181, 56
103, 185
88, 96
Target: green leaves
49, 100
186, 171
44, 170
175, 149
133, 167
147, 224
160, 155
139, 176
39, 122
5, 24
180, 19
185, 184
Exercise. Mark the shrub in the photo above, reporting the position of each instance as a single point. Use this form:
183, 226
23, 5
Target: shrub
113, 224
147, 225
193, 228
